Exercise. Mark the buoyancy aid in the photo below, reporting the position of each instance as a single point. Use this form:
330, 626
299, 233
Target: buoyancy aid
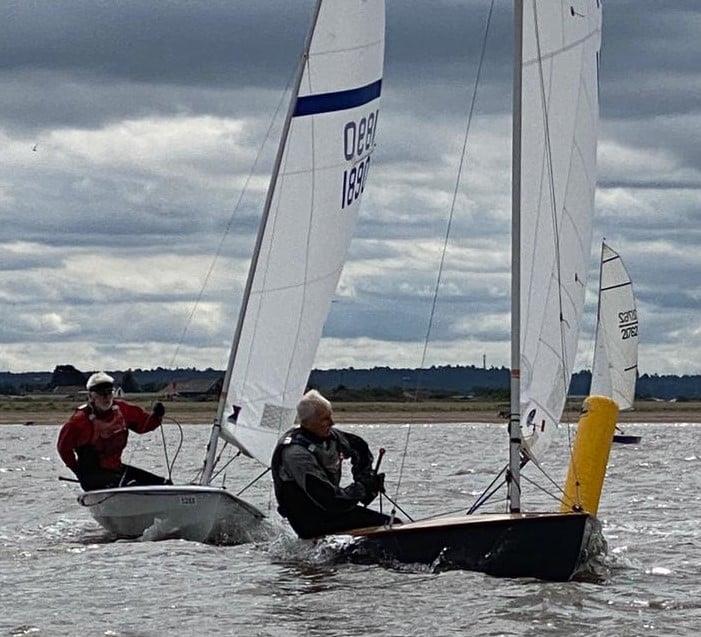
328, 453
109, 434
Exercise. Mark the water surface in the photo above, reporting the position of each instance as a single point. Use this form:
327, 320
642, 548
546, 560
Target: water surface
61, 575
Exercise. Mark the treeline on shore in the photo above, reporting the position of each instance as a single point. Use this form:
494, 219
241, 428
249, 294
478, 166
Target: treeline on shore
376, 384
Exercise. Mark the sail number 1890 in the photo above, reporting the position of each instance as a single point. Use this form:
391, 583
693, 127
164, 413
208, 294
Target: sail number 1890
354, 182
358, 141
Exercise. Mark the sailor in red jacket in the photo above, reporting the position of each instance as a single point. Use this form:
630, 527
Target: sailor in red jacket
92, 441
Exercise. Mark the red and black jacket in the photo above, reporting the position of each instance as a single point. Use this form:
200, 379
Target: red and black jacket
106, 435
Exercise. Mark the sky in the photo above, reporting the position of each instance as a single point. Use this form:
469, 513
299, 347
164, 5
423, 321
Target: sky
128, 130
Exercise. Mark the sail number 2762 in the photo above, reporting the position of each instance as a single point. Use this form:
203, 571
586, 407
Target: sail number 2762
358, 141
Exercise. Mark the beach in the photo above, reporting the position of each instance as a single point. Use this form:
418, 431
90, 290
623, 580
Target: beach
53, 411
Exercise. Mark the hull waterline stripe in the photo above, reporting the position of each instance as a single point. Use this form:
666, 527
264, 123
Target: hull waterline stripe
338, 101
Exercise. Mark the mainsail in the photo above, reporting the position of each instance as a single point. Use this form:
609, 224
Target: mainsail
559, 118
615, 366
326, 159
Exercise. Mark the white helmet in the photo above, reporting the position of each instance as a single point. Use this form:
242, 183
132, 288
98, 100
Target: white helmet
99, 378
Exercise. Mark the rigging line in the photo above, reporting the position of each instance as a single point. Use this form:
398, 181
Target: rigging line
544, 490
478, 502
556, 232
196, 478
307, 259
473, 101
252, 482
597, 329
572, 462
266, 261
456, 189
177, 451
218, 458
228, 462
551, 184
165, 452
227, 229
401, 466
306, 281
547, 476
306, 269
396, 506
487, 497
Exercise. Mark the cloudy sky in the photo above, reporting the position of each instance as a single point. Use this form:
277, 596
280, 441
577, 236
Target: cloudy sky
128, 130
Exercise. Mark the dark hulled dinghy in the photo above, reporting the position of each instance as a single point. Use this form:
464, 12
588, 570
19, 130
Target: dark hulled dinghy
550, 545
626, 439
555, 118
502, 545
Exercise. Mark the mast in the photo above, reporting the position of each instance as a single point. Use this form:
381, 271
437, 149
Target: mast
598, 307
595, 363
514, 472
216, 426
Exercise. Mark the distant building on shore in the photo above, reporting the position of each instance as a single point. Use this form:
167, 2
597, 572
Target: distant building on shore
193, 389
78, 392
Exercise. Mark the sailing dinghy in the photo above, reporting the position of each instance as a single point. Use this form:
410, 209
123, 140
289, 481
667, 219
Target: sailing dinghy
555, 118
615, 367
320, 172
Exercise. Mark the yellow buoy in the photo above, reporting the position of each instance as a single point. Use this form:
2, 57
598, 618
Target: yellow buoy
590, 455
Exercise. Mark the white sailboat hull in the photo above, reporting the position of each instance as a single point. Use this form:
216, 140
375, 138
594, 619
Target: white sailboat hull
196, 513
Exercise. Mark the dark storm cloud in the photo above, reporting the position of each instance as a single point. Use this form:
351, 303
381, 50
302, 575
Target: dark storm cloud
222, 42
75, 67
215, 42
144, 57
646, 55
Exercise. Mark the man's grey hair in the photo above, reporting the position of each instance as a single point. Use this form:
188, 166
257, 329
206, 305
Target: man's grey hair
311, 405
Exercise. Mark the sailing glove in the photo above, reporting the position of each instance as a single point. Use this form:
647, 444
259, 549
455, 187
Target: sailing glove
373, 484
378, 483
158, 410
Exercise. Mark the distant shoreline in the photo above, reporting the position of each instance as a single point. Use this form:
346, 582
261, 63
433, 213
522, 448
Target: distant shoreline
55, 412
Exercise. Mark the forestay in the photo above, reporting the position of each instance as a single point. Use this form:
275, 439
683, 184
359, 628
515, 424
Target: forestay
561, 42
616, 352
324, 171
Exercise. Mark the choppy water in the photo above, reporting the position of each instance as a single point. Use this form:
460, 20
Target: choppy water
60, 576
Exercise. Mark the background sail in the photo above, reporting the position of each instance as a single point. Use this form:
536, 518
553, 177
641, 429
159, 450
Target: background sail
325, 166
561, 42
615, 366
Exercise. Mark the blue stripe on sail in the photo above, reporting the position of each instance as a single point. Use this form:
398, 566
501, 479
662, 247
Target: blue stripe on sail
338, 101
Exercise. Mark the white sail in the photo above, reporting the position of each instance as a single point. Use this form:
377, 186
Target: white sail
560, 110
616, 352
324, 171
